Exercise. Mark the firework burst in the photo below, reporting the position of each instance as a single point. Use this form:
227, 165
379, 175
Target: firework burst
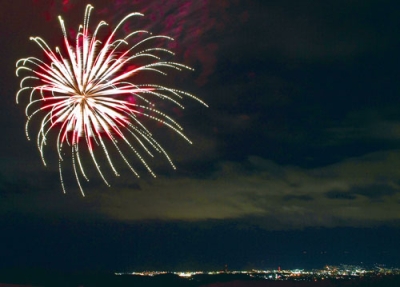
88, 100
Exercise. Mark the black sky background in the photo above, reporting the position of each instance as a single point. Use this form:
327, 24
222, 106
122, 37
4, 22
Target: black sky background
294, 164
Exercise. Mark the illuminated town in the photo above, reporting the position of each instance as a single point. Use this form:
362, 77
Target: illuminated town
328, 272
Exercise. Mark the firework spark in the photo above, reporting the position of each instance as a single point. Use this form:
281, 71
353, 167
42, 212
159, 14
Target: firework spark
88, 99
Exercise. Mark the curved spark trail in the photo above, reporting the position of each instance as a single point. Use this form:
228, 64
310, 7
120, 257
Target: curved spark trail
88, 99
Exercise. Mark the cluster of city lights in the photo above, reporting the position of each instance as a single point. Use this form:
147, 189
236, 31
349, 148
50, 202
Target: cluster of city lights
342, 271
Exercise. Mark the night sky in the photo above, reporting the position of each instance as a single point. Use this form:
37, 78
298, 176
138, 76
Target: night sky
296, 162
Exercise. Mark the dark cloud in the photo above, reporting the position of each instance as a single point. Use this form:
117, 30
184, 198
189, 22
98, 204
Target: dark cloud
373, 192
260, 191
298, 197
335, 194
376, 191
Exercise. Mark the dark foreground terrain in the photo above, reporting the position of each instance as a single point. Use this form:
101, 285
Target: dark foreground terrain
41, 278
